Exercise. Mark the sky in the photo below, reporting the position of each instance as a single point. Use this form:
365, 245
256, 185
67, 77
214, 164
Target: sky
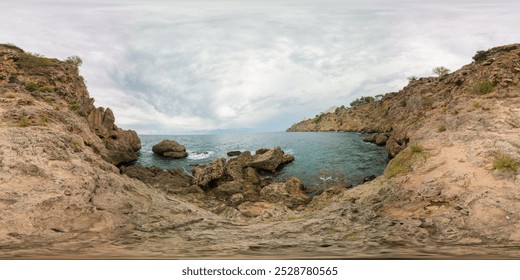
181, 67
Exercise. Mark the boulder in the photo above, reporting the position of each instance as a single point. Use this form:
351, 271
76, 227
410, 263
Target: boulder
170, 149
395, 145
378, 139
286, 158
205, 174
235, 167
234, 153
289, 193
268, 161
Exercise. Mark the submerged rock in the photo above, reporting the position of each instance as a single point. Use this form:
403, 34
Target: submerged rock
234, 153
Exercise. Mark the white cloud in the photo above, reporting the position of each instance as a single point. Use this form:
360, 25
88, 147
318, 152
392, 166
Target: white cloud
176, 66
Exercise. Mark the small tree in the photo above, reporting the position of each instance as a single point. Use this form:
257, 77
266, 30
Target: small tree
412, 78
441, 71
480, 56
76, 60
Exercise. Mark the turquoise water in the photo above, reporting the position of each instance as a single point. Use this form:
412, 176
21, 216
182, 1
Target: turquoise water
321, 157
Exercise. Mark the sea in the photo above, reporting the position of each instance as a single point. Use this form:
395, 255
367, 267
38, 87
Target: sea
321, 158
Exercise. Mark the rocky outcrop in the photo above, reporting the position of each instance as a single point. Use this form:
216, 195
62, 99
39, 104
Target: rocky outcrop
170, 149
377, 138
174, 180
289, 193
207, 174
268, 160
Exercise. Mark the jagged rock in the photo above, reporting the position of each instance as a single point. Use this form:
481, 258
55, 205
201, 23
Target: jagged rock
205, 174
378, 139
228, 189
171, 149
173, 180
235, 166
287, 158
261, 151
233, 153
121, 144
289, 193
395, 145
269, 160
251, 176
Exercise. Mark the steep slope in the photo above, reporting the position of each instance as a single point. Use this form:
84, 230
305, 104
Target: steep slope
456, 145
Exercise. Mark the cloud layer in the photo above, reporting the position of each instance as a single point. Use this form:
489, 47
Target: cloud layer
179, 66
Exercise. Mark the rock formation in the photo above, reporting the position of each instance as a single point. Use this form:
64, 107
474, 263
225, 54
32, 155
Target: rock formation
170, 149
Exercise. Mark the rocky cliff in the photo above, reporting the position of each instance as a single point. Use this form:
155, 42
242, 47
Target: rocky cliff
450, 191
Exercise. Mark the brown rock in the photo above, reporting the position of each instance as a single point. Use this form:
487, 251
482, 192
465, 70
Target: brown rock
233, 153
170, 148
269, 160
252, 176
289, 193
205, 174
235, 166
287, 158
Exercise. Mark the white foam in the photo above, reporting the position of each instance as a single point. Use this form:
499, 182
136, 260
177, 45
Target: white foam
199, 155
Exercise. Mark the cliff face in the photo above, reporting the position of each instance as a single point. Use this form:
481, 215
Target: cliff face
455, 140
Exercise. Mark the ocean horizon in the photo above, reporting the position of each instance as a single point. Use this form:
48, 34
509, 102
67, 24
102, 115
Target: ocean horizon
322, 158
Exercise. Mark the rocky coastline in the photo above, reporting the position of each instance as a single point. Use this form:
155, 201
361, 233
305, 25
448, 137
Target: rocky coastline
450, 190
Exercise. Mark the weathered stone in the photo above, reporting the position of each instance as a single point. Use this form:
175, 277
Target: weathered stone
175, 155
171, 149
289, 193
269, 160
233, 153
205, 174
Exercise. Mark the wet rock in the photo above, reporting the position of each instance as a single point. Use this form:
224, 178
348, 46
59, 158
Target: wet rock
233, 153
289, 193
369, 178
205, 174
170, 149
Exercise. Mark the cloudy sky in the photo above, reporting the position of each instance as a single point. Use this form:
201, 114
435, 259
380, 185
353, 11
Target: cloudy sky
173, 67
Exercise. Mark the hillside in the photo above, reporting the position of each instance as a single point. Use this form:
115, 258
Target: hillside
66, 190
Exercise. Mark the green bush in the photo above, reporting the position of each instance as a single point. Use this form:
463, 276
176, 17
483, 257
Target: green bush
482, 87
441, 128
25, 121
46, 89
362, 100
31, 86
441, 71
44, 120
480, 56
75, 60
505, 162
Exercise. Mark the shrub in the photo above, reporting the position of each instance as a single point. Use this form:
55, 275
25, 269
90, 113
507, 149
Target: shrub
31, 86
475, 104
317, 119
505, 162
441, 71
75, 60
362, 100
46, 89
25, 121
44, 120
441, 128
412, 78
480, 56
402, 103
482, 87
30, 60
405, 160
